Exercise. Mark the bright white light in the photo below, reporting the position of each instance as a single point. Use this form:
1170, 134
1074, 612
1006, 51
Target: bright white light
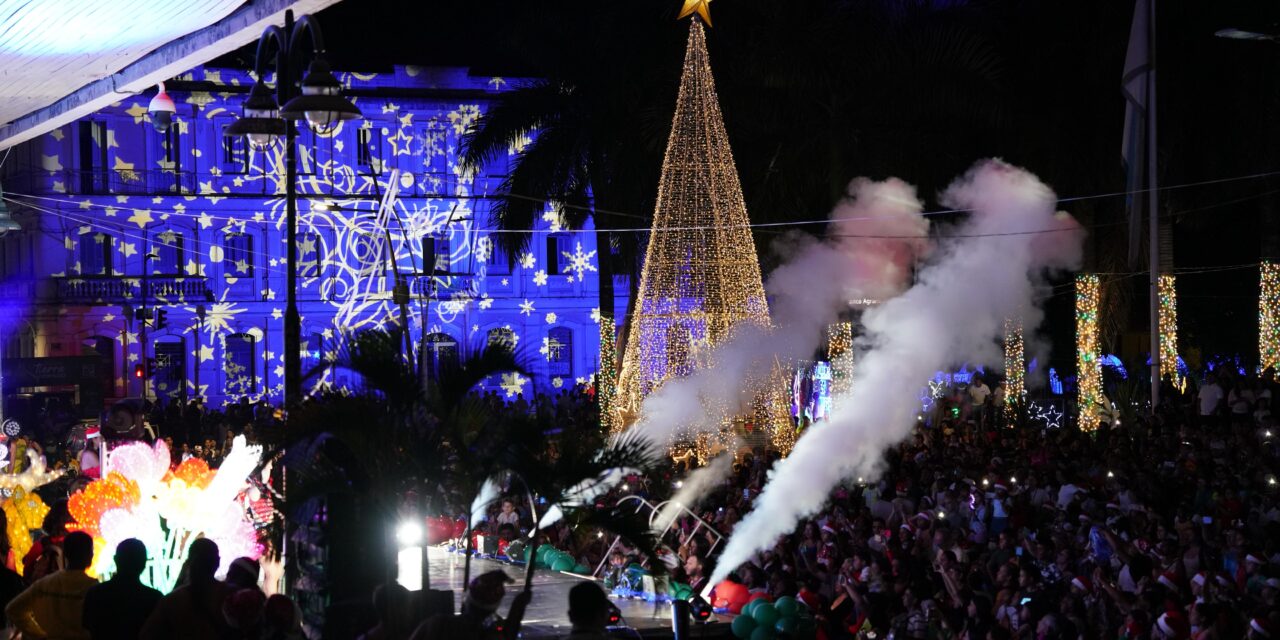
985, 482
626, 487
1267, 433
1271, 480
1013, 480
409, 568
1111, 474
599, 534
409, 534
942, 515
679, 484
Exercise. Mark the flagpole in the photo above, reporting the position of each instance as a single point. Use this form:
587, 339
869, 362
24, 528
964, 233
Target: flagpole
1153, 209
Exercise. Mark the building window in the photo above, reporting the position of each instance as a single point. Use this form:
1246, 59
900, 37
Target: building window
169, 378
441, 355
309, 255
557, 247
237, 255
104, 348
168, 148
313, 356
235, 153
239, 364
168, 250
93, 156
501, 337
11, 255
95, 253
436, 255
21, 343
560, 352
369, 148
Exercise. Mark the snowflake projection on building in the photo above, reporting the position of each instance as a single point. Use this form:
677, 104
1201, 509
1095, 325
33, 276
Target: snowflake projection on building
513, 384
225, 226
579, 261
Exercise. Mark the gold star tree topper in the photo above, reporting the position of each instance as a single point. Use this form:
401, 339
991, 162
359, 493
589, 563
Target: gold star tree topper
700, 7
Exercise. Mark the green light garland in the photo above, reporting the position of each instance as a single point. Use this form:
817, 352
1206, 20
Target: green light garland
1088, 368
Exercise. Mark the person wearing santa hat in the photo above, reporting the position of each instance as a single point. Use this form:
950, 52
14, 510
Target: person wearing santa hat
1260, 629
1171, 625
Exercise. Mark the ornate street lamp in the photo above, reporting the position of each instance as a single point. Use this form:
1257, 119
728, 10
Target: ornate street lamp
317, 99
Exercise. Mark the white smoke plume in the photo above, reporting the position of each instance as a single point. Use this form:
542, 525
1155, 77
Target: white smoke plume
955, 313
480, 505
877, 233
698, 484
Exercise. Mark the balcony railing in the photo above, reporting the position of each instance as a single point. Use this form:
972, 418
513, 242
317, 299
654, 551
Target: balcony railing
117, 289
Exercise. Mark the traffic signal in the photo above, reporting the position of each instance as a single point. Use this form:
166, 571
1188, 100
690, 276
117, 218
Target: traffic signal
139, 371
162, 319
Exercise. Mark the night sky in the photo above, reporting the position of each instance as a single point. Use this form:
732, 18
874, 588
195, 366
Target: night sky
815, 93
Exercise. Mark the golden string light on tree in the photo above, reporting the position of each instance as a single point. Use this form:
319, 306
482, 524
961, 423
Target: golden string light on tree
1269, 317
607, 378
1015, 366
1089, 394
840, 354
701, 278
1166, 287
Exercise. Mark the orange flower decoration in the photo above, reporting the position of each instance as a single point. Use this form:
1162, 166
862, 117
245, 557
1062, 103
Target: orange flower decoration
112, 492
195, 472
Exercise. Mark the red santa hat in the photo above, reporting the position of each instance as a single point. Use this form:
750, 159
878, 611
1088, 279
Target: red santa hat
1254, 559
1260, 627
1199, 579
1169, 580
1082, 583
1174, 625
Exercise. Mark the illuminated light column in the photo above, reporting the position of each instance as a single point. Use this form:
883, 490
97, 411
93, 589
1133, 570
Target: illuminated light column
1089, 396
1015, 367
701, 277
1269, 317
840, 353
607, 379
1168, 292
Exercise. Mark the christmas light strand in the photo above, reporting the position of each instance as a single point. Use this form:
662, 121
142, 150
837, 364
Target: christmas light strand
1015, 367
1269, 316
1089, 394
840, 353
1166, 288
607, 378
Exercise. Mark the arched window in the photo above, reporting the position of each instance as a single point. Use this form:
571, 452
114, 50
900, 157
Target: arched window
95, 253
560, 352
501, 337
441, 354
104, 348
237, 255
239, 364
168, 250
169, 377
21, 343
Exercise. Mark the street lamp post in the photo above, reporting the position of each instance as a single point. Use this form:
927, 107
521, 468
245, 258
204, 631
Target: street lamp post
318, 100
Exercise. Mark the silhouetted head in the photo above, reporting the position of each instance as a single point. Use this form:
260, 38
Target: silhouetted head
202, 559
78, 549
131, 558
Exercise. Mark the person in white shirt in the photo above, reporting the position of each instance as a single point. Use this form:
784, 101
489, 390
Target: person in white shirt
978, 392
1210, 396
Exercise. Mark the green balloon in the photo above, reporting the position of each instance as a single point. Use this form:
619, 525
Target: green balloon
765, 614
563, 564
743, 626
682, 592
762, 633
787, 606
750, 607
786, 625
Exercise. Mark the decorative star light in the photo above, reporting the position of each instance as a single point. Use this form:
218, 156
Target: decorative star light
528, 260
557, 382
526, 307
700, 7
595, 315
579, 262
551, 318
540, 278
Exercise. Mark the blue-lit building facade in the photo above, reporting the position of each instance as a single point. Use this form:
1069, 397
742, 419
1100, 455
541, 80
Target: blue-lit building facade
117, 216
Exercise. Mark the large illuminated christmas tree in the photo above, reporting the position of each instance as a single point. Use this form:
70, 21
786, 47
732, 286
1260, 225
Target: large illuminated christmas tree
701, 278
